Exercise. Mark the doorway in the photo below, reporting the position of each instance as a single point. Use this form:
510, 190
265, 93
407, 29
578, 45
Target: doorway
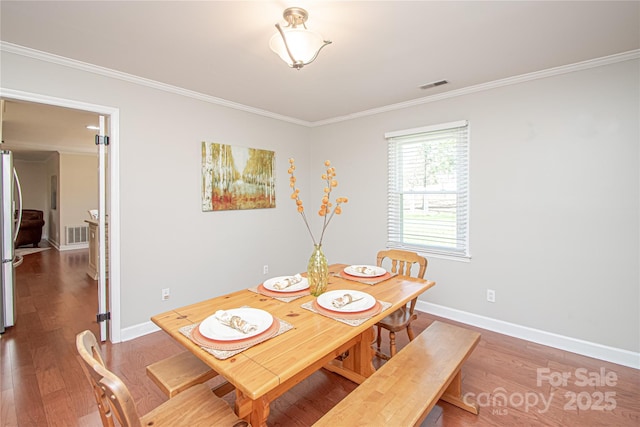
53, 107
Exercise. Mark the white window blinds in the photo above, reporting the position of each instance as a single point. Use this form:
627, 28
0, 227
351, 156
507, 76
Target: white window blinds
428, 190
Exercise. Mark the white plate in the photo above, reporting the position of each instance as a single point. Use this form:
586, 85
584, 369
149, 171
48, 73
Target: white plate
301, 285
367, 301
212, 328
365, 270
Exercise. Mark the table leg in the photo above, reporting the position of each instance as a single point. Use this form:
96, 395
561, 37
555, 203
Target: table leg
360, 358
358, 365
255, 412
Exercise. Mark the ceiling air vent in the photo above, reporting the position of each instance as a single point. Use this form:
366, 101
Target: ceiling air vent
433, 84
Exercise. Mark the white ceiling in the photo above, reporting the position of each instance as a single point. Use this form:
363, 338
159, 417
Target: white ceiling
33, 131
381, 52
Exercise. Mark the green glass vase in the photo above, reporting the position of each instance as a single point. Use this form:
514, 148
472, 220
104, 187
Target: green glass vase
317, 271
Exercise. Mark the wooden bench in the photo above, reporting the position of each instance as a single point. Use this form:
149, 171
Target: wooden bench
405, 389
177, 373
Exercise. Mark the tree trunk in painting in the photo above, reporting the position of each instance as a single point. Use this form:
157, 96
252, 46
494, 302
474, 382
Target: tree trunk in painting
237, 177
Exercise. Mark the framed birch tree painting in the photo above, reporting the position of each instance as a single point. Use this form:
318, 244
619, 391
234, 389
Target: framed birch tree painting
237, 178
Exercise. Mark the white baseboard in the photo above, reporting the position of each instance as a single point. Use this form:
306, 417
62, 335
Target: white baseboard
62, 248
73, 247
138, 331
574, 345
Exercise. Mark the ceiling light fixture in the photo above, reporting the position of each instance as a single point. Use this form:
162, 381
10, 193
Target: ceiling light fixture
295, 44
93, 127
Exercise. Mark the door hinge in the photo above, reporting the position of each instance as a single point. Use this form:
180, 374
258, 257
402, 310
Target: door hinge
102, 140
101, 317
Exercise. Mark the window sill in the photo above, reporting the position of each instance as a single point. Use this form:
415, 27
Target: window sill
433, 254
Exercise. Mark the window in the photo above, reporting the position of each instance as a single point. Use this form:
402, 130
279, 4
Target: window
429, 189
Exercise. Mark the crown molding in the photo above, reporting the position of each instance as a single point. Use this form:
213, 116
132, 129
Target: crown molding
107, 72
91, 68
579, 66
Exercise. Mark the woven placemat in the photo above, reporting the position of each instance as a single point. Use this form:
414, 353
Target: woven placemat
225, 354
282, 296
364, 280
242, 343
351, 322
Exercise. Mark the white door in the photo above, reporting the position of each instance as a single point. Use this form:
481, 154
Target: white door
102, 227
109, 202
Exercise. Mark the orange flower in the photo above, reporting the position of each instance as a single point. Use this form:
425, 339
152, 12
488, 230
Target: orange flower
325, 210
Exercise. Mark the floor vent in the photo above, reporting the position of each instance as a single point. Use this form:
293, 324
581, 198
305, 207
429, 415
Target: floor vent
77, 235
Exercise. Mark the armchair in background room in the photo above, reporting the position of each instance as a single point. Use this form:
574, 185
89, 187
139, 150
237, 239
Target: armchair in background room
30, 232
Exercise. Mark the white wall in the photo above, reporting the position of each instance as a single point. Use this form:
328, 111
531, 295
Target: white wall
77, 176
78, 183
33, 182
166, 240
33, 177
554, 201
53, 217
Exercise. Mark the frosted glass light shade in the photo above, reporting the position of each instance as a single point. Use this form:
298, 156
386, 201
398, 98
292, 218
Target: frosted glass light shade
303, 44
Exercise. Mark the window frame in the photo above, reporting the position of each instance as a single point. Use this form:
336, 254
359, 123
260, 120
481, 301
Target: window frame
395, 209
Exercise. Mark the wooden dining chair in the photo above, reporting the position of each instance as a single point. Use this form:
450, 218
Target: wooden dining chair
401, 263
196, 406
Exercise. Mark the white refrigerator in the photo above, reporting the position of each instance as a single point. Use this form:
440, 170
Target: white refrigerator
10, 216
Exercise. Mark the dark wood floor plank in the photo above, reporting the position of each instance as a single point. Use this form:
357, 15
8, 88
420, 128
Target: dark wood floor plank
27, 399
43, 385
58, 408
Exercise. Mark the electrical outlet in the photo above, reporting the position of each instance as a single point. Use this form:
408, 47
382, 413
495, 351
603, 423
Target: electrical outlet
265, 269
491, 295
165, 294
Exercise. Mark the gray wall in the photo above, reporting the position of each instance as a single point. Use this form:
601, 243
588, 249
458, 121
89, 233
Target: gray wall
554, 201
554, 197
33, 181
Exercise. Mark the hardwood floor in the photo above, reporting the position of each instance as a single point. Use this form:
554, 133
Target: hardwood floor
42, 383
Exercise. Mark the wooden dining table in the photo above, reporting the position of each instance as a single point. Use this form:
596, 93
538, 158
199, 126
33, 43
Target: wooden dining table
263, 372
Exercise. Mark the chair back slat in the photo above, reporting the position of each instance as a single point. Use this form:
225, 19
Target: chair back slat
112, 396
120, 399
402, 262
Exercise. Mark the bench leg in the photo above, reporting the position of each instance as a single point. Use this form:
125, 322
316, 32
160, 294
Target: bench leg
453, 395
